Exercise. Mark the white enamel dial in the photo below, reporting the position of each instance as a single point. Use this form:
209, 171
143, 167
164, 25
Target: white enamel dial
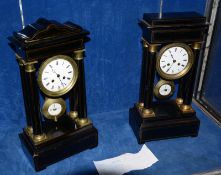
55, 109
165, 90
57, 75
174, 60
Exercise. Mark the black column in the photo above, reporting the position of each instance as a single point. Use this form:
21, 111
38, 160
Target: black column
74, 98
143, 79
78, 93
33, 99
150, 74
181, 89
24, 91
191, 76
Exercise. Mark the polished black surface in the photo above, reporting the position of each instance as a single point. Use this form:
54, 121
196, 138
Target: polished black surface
25, 94
173, 27
62, 142
149, 83
190, 79
34, 102
169, 122
174, 18
78, 94
45, 38
142, 76
181, 88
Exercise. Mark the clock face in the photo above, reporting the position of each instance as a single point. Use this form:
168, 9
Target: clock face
164, 89
57, 75
174, 61
53, 108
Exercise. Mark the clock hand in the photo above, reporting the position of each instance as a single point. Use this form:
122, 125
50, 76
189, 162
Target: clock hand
171, 55
170, 67
58, 75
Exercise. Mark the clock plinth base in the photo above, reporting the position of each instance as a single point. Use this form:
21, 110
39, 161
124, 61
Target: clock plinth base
169, 122
61, 147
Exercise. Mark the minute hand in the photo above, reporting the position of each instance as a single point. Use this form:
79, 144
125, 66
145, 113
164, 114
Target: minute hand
57, 75
171, 54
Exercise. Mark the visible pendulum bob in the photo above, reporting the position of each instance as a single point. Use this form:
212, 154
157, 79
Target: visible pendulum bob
171, 47
50, 57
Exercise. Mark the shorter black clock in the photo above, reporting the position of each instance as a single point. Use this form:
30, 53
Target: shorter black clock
171, 47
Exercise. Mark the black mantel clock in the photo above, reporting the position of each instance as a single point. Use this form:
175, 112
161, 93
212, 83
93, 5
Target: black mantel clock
171, 47
51, 62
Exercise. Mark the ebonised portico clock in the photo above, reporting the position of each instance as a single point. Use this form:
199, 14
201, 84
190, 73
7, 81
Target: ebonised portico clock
171, 47
51, 62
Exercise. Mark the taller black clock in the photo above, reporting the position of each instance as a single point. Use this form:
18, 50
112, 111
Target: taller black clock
51, 62
171, 47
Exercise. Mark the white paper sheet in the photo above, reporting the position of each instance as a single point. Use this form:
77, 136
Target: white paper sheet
126, 162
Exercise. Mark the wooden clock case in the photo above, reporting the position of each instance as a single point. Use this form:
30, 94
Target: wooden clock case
48, 142
161, 119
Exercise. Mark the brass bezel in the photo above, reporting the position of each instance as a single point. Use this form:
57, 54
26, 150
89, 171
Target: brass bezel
50, 101
184, 71
157, 88
64, 90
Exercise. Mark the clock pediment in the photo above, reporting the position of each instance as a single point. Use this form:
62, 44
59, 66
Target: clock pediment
45, 38
44, 29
